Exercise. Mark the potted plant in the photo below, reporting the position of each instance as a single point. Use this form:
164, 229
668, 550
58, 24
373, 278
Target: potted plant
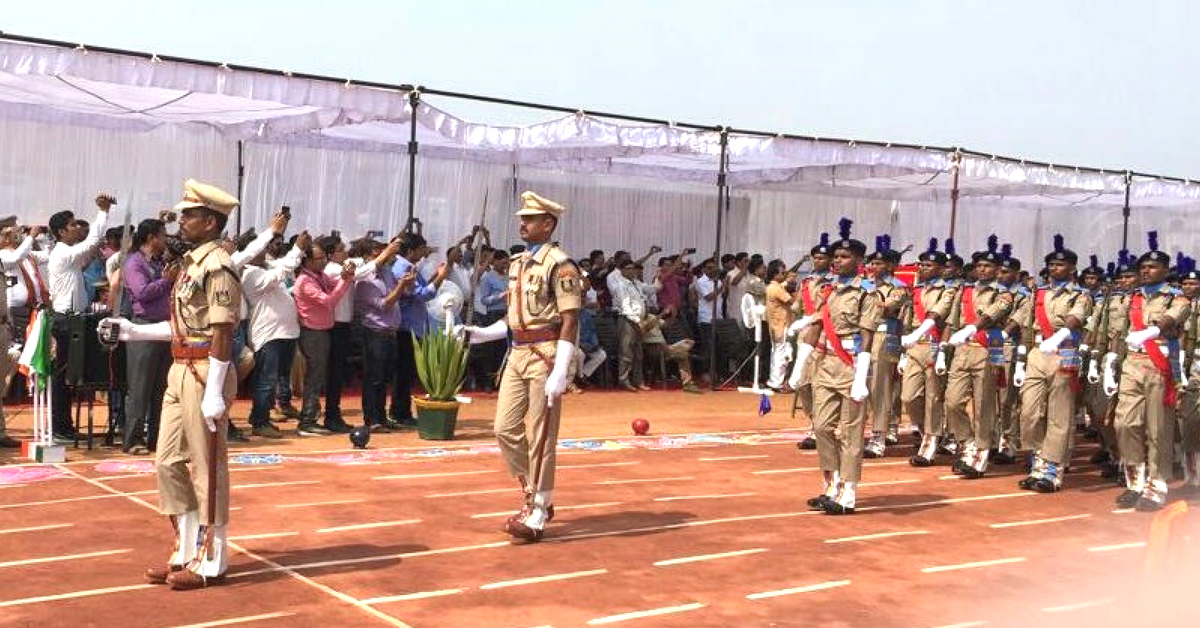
441, 366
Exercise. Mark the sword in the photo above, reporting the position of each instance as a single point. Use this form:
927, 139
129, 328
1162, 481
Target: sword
475, 254
116, 293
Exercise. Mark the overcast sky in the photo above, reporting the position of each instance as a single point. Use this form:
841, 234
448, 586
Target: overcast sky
1103, 83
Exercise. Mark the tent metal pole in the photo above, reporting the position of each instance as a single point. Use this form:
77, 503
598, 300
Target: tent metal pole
722, 194
1125, 211
956, 162
241, 176
414, 99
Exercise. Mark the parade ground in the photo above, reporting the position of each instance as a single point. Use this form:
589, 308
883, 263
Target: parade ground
700, 523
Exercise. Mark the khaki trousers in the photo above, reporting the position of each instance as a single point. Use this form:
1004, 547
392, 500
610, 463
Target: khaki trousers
1189, 417
1008, 419
183, 438
837, 419
882, 385
1145, 427
1047, 407
921, 392
526, 427
972, 382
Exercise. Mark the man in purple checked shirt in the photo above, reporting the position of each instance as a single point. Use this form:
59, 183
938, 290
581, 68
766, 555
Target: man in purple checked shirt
148, 288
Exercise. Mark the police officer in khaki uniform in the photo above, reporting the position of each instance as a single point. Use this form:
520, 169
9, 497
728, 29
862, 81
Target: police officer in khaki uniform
1015, 350
1108, 332
205, 303
921, 389
893, 302
806, 311
978, 318
1150, 325
847, 317
1189, 409
544, 298
1049, 379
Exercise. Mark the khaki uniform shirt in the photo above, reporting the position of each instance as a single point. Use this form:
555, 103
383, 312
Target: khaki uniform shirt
1061, 302
810, 289
541, 287
207, 292
851, 308
991, 300
1165, 302
938, 300
893, 295
779, 310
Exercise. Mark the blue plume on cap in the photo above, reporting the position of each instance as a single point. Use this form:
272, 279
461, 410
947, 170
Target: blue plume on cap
879, 245
932, 245
1123, 257
844, 228
1094, 260
949, 246
993, 242
1112, 268
1006, 250
1058, 242
824, 238
1178, 259
887, 242
1152, 240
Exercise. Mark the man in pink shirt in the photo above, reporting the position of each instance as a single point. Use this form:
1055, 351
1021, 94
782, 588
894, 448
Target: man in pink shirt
316, 296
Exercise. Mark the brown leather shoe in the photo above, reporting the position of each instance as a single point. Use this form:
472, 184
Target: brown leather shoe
159, 574
520, 514
522, 533
187, 580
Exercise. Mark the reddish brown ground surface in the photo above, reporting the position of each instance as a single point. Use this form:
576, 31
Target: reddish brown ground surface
444, 562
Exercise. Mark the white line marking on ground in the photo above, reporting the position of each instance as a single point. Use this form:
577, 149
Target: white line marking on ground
105, 478
1033, 522
1121, 546
551, 578
508, 489
410, 596
74, 499
368, 559
1123, 511
506, 513
881, 535
270, 484
790, 470
612, 619
675, 526
719, 458
329, 503
711, 496
271, 565
636, 481
702, 557
237, 620
51, 559
265, 535
950, 477
812, 587
598, 464
975, 565
36, 528
894, 463
886, 483
1079, 606
73, 594
255, 468
418, 476
368, 526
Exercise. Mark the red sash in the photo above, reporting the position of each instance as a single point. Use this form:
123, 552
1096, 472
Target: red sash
1039, 311
968, 313
806, 297
831, 336
919, 311
1153, 351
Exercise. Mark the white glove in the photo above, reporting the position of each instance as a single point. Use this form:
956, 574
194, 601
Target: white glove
1136, 339
1019, 374
787, 352
128, 331
902, 363
1083, 348
917, 334
798, 326
802, 354
212, 406
1183, 376
480, 335
14, 352
939, 365
556, 384
1050, 345
1093, 374
963, 335
1110, 375
862, 366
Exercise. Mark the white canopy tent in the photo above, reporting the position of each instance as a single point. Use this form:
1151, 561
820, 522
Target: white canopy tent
77, 120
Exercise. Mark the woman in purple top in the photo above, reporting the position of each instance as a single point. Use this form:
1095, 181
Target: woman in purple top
148, 288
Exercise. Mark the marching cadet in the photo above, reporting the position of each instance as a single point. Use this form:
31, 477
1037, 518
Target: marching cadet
1008, 425
979, 315
1145, 422
842, 339
1109, 334
1051, 375
921, 391
806, 308
205, 307
1094, 402
892, 297
544, 299
955, 277
1189, 411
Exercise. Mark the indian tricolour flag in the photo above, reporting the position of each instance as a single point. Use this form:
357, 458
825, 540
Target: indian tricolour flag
35, 361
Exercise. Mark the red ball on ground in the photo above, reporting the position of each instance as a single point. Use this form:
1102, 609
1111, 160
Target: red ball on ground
640, 426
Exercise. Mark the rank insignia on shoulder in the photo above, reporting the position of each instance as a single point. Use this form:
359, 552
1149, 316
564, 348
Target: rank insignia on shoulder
223, 298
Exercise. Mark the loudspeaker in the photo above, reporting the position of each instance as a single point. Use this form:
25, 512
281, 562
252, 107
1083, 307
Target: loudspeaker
90, 364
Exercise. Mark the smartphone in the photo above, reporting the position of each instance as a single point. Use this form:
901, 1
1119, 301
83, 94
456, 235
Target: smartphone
690, 251
286, 211
335, 233
375, 234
